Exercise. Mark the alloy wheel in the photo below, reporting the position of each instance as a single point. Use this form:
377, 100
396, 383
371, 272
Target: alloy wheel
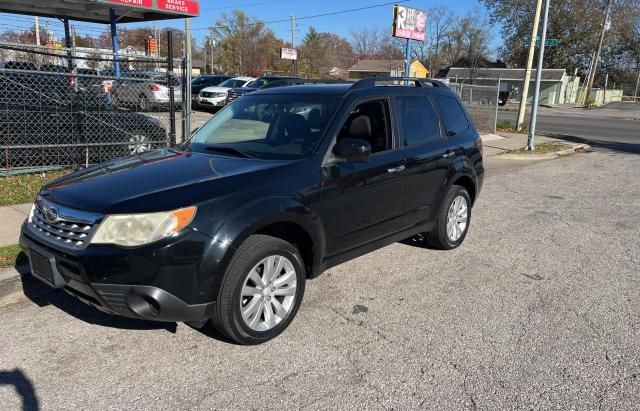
457, 218
268, 293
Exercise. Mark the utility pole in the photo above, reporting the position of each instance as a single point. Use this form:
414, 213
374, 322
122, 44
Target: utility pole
635, 96
527, 73
187, 98
596, 61
293, 40
37, 24
536, 95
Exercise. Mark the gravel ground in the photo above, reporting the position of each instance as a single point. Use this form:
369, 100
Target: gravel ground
538, 309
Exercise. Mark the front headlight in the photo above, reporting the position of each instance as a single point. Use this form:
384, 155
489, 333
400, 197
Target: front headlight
221, 94
132, 230
31, 213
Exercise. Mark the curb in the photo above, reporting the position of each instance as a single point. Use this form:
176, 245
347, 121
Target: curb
17, 284
548, 156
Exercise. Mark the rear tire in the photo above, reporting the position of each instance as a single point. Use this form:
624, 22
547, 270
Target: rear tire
253, 309
452, 220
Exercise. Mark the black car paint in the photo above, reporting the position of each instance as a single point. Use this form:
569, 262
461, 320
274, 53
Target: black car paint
207, 80
336, 210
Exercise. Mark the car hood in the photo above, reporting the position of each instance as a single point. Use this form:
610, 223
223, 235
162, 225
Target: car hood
159, 180
215, 89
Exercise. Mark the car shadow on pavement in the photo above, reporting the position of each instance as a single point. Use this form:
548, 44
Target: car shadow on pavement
23, 386
417, 241
632, 148
43, 296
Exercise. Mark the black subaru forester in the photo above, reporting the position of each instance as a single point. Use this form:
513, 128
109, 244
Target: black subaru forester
274, 189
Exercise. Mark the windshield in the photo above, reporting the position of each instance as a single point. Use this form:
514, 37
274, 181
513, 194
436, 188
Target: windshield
258, 83
232, 83
272, 127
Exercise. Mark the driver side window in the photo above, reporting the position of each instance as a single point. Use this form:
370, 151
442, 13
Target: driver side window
369, 121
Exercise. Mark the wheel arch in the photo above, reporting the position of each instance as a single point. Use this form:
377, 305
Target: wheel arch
283, 217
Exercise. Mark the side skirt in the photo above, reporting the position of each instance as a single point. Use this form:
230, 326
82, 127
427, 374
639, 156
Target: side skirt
337, 259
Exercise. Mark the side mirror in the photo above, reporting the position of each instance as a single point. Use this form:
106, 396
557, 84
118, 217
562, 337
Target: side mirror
352, 150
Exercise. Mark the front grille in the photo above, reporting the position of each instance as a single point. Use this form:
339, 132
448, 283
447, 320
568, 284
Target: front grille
65, 232
232, 96
65, 227
207, 94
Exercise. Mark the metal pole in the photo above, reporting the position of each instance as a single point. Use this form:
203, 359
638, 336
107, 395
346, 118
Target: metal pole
293, 41
495, 120
172, 106
186, 100
536, 95
598, 50
114, 42
407, 57
635, 95
36, 21
527, 73
213, 43
606, 83
67, 43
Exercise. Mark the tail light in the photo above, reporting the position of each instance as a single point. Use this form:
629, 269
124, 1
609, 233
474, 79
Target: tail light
155, 87
479, 144
72, 81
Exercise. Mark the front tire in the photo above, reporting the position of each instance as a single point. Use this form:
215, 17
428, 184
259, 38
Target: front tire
452, 221
261, 291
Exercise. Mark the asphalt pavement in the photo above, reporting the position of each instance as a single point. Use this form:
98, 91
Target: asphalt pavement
615, 126
538, 309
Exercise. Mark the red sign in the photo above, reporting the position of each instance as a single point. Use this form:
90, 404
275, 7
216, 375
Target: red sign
180, 6
409, 23
135, 3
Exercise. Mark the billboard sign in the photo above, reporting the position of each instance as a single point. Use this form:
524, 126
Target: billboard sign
185, 7
288, 54
409, 23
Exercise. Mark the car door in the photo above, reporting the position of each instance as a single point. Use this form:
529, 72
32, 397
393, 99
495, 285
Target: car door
426, 158
364, 201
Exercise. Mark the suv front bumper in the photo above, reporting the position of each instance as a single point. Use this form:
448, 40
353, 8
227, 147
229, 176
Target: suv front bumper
161, 282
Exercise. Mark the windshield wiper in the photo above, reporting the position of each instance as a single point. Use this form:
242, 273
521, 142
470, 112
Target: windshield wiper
231, 150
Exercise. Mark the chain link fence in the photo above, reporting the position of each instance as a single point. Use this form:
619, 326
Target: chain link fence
481, 101
62, 108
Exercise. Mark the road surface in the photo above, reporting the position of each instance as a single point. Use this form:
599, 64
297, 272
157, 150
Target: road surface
616, 126
537, 310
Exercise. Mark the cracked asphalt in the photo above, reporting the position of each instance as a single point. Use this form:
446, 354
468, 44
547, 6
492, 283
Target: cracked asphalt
538, 309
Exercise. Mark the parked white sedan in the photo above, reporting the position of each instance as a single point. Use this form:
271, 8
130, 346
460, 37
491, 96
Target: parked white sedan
216, 97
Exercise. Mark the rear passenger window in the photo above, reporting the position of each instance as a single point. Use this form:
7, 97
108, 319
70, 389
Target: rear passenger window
455, 121
418, 120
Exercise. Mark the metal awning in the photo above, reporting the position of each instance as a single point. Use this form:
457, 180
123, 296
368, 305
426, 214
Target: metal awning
98, 11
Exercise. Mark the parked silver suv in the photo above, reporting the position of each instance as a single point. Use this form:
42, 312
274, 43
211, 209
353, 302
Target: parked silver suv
143, 90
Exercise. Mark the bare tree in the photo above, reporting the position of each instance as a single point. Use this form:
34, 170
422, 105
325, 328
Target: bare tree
366, 42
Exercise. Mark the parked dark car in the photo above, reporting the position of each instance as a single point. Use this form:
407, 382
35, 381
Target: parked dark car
273, 190
52, 115
255, 85
207, 80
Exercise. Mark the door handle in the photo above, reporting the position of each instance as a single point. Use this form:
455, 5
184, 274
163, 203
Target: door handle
396, 169
448, 155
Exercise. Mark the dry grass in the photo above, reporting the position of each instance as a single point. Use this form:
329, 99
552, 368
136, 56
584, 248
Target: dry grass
23, 188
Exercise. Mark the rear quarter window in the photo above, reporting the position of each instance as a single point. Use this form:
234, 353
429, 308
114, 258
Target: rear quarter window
453, 116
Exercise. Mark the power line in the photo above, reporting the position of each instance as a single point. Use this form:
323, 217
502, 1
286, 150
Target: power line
287, 20
263, 3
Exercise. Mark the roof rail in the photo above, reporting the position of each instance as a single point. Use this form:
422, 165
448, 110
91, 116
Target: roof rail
418, 82
302, 81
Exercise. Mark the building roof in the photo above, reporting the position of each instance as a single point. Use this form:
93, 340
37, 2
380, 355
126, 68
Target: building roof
377, 65
504, 73
97, 11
